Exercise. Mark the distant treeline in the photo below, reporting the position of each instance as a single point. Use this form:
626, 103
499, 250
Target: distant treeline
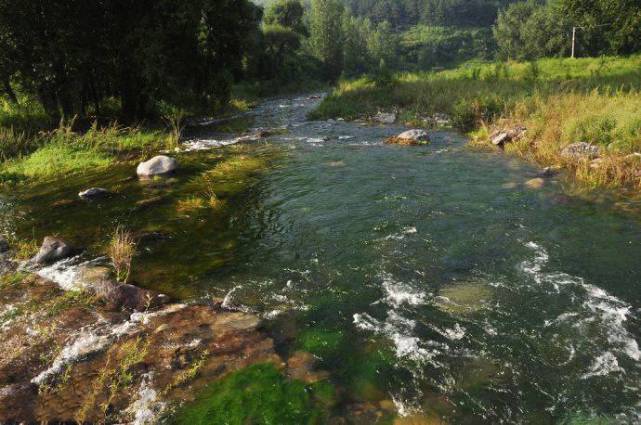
139, 57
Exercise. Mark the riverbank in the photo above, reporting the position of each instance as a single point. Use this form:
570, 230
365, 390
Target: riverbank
558, 101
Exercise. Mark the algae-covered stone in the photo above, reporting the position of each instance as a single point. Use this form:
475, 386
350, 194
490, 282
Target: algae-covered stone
463, 298
536, 183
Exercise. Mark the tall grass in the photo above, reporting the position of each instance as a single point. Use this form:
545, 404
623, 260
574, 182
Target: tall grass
121, 250
560, 101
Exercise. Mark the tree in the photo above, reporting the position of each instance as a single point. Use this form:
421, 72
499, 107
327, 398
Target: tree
69, 53
326, 36
288, 14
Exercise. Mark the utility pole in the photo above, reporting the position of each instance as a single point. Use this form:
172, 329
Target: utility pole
574, 36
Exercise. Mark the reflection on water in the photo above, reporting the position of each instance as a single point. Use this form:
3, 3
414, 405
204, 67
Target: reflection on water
427, 277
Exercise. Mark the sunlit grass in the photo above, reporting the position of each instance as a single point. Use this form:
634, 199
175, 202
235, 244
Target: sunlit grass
560, 101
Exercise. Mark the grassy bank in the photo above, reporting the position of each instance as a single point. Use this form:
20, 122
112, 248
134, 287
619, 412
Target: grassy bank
560, 101
33, 148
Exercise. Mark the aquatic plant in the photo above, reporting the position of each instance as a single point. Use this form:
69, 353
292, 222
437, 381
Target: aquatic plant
121, 250
258, 395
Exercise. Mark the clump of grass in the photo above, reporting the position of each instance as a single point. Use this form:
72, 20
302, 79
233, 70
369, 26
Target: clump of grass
24, 249
190, 204
121, 250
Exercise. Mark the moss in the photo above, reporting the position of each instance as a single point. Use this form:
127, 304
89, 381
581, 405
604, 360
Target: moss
258, 395
322, 343
11, 279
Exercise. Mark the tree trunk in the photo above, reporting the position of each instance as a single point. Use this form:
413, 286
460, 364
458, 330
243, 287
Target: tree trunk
9, 91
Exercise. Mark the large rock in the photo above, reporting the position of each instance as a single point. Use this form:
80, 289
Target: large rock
410, 137
52, 250
93, 193
580, 150
157, 166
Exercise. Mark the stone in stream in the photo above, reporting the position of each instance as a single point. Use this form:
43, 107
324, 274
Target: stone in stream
580, 150
157, 166
410, 137
93, 193
549, 172
52, 250
536, 183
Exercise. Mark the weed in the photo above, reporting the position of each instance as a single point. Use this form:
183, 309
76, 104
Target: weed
121, 250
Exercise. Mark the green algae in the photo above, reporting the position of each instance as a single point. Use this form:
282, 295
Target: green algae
258, 395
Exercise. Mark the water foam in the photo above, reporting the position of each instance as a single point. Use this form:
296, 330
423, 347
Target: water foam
593, 306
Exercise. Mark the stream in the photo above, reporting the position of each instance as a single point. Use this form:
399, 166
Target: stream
429, 277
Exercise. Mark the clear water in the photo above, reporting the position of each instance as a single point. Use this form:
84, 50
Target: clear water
429, 276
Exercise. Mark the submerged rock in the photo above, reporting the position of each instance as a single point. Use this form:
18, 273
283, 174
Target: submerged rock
303, 366
52, 249
156, 166
410, 137
580, 150
549, 172
94, 193
536, 183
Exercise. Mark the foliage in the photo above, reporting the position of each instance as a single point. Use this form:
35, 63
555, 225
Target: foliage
72, 54
326, 36
426, 47
258, 395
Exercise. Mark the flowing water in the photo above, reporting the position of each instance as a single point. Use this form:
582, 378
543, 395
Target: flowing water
427, 276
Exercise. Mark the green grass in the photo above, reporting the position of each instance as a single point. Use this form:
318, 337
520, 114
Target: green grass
63, 152
258, 395
560, 101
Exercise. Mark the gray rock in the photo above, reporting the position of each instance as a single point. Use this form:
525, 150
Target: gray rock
415, 135
157, 166
581, 150
4, 245
502, 137
385, 117
52, 250
93, 193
